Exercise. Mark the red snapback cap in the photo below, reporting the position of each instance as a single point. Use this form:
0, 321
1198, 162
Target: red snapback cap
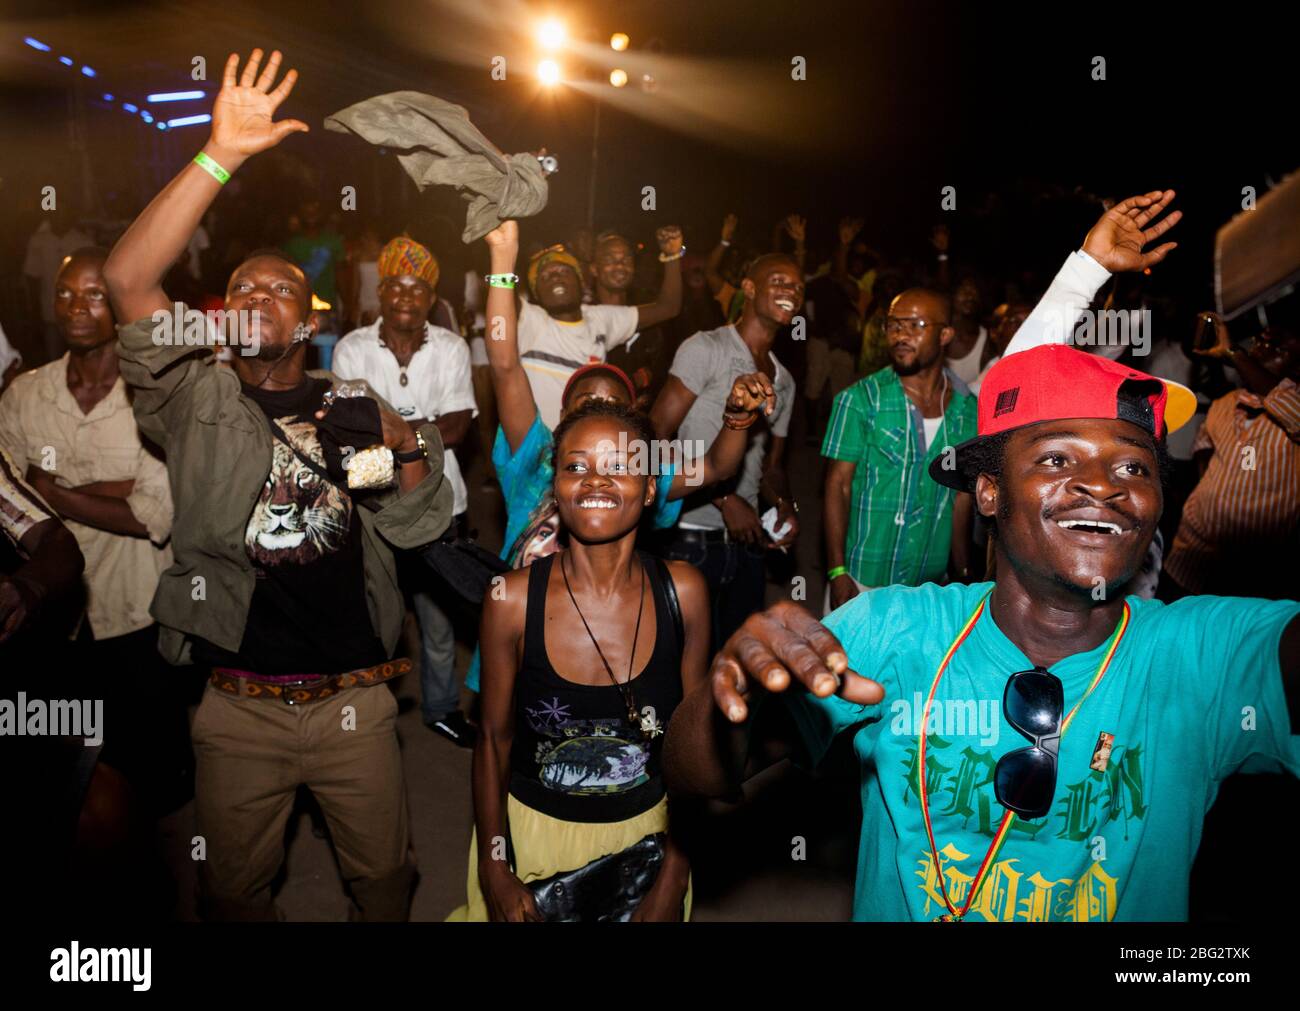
1055, 382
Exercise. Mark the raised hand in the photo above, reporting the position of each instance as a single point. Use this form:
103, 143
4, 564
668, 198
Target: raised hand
849, 228
781, 646
796, 227
1222, 346
241, 117
669, 238
729, 227
750, 392
939, 238
504, 238
1117, 239
505, 234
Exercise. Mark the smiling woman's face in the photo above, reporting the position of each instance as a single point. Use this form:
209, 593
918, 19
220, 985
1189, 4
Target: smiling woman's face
599, 499
1078, 502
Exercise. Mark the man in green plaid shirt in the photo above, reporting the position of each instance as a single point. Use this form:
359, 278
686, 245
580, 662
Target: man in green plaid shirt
885, 521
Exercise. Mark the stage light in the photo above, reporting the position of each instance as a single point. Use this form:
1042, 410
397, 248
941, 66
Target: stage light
648, 84
190, 120
618, 42
129, 107
37, 44
550, 34
66, 60
618, 78
174, 96
318, 304
161, 125
548, 72
146, 116
88, 71
107, 97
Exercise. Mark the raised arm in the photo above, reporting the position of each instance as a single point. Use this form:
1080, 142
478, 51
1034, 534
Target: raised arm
669, 302
241, 126
516, 407
749, 394
1113, 244
712, 277
796, 227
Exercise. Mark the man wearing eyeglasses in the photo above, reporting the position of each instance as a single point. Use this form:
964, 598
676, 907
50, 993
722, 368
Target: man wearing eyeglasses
1043, 747
885, 522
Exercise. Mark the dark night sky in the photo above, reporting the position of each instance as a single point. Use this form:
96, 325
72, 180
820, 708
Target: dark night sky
900, 100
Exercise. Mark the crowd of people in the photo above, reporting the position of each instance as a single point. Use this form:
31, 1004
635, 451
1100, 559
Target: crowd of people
1079, 535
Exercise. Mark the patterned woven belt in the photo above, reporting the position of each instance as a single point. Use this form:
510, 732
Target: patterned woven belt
295, 693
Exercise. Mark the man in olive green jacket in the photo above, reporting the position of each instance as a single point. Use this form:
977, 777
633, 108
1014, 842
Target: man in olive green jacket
284, 581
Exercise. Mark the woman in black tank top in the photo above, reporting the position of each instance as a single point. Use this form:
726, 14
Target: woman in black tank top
585, 655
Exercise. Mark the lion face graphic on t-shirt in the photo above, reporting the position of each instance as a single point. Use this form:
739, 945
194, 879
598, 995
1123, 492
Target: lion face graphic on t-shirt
299, 516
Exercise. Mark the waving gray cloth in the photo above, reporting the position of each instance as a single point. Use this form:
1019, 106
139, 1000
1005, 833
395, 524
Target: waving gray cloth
439, 146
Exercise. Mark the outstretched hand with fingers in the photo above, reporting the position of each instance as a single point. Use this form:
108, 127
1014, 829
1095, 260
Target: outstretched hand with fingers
751, 392
780, 647
241, 117
1116, 241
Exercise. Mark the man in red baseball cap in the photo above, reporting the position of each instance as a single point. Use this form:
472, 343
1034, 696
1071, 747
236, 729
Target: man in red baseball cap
1045, 746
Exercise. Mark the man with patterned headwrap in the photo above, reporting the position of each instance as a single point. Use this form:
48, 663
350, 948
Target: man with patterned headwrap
423, 370
558, 334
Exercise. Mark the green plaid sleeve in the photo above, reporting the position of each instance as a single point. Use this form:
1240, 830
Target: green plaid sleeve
845, 437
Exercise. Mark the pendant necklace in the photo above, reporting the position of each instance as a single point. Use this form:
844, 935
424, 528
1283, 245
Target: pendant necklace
647, 729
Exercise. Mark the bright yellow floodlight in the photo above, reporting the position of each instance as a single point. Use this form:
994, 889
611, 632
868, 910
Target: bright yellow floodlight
550, 34
548, 72
618, 42
618, 78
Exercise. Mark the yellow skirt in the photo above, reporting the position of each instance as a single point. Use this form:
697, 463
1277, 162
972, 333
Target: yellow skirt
545, 846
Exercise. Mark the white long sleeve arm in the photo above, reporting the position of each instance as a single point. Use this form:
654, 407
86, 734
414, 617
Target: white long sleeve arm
1069, 294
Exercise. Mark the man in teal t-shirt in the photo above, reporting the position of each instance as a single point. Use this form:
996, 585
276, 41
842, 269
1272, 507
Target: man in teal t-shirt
1044, 747
1157, 703
1193, 694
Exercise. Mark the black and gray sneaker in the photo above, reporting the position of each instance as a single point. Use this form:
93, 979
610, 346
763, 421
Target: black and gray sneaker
455, 728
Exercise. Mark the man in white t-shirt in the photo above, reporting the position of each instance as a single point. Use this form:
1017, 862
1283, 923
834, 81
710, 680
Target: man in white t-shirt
423, 371
558, 334
721, 533
966, 352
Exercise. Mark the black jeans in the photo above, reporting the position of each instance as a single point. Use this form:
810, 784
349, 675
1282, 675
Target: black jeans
736, 577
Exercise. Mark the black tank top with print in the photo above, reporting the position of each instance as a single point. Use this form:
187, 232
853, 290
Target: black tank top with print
575, 755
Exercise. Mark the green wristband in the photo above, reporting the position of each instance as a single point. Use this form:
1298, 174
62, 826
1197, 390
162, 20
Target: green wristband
836, 572
210, 166
501, 280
